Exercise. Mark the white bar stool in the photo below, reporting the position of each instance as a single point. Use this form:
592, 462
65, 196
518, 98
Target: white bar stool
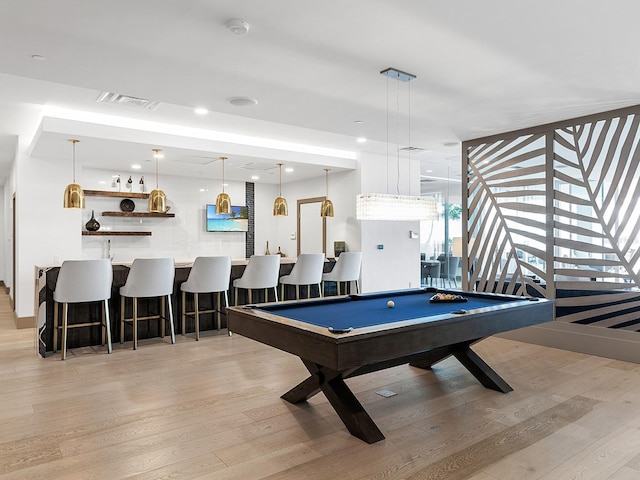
306, 271
207, 275
81, 281
148, 277
262, 271
346, 269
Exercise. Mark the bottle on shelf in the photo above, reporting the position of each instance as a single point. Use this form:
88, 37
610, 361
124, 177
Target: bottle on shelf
280, 252
267, 252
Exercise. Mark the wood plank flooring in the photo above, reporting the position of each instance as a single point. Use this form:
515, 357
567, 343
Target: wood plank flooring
212, 410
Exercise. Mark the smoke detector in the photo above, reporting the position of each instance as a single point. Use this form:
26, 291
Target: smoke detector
237, 26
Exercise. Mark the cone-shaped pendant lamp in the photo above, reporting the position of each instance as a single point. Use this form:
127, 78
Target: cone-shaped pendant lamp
157, 198
280, 208
73, 194
223, 202
326, 209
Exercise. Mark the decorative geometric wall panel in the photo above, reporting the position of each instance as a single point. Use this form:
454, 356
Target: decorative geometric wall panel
506, 215
554, 211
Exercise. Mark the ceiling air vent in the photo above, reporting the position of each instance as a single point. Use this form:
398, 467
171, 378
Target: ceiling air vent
412, 149
117, 98
258, 166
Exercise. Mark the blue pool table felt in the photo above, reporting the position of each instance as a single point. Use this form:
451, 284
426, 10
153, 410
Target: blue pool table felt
350, 312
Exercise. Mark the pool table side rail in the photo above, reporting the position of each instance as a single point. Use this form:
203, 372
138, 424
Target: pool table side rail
378, 343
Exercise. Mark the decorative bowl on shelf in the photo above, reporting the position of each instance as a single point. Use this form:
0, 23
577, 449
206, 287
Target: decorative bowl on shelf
127, 205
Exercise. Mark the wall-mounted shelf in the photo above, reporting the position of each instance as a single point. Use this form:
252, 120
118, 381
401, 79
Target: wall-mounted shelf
117, 234
138, 214
106, 193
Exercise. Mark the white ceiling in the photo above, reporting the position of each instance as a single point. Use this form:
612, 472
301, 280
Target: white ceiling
481, 67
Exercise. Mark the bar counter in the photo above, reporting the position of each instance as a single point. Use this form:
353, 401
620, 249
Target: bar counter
46, 277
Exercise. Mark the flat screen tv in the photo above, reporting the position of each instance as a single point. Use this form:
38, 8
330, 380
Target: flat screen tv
236, 221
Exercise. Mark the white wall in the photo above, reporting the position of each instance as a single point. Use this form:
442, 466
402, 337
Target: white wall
343, 187
49, 234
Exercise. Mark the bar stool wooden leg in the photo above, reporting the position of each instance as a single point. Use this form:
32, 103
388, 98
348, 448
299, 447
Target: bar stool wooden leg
55, 327
65, 309
173, 333
219, 313
184, 310
297, 292
195, 304
121, 319
103, 328
161, 317
135, 323
249, 295
107, 323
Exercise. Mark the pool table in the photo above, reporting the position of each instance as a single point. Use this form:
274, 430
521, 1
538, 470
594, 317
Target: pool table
341, 337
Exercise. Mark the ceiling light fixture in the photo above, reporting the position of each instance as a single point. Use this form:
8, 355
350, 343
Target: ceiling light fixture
73, 194
157, 198
237, 26
223, 202
200, 111
280, 208
326, 208
385, 206
243, 101
361, 139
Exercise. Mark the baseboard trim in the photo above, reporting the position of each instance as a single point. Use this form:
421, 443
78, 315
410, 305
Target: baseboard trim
24, 322
602, 342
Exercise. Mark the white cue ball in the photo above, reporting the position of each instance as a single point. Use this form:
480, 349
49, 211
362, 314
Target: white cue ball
391, 304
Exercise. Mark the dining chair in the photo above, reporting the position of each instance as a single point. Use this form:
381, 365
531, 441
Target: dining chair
306, 271
148, 278
82, 281
207, 275
346, 269
449, 270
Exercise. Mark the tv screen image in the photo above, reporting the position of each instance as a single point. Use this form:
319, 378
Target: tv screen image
236, 221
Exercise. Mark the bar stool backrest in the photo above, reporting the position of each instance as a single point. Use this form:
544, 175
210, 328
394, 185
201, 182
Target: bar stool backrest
149, 277
84, 281
346, 269
208, 274
262, 271
306, 271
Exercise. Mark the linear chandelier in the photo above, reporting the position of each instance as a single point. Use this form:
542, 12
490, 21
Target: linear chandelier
386, 206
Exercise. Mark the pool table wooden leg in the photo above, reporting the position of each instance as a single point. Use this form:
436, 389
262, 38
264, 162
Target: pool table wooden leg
341, 398
470, 360
483, 372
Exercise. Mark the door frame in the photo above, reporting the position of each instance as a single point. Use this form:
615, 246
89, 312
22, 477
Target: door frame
318, 200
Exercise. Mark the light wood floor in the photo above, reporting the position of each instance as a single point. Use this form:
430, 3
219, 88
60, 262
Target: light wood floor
212, 410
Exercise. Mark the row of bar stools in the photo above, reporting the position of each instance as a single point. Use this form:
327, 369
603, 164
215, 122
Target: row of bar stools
82, 281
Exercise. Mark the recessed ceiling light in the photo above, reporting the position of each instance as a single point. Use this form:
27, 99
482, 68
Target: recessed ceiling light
428, 171
288, 169
358, 122
135, 166
201, 111
202, 190
243, 101
255, 177
38, 58
361, 140
237, 26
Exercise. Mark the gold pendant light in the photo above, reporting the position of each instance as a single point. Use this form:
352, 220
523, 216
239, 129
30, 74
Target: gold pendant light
280, 208
223, 202
73, 194
157, 198
326, 209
